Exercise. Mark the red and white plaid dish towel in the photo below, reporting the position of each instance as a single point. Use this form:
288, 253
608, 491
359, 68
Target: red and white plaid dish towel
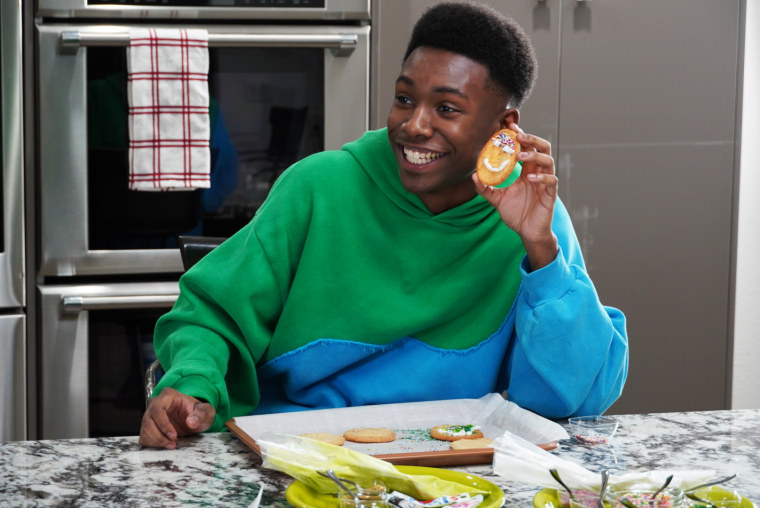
168, 109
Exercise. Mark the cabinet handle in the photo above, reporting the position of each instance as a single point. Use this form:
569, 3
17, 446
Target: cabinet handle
72, 304
342, 44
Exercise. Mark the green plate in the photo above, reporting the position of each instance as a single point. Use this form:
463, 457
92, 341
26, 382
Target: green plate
715, 494
548, 498
301, 495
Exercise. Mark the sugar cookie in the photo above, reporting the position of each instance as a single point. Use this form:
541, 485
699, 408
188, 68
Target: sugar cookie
455, 432
325, 437
467, 444
498, 157
370, 435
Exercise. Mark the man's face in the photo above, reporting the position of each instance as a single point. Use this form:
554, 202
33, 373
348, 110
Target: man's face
442, 115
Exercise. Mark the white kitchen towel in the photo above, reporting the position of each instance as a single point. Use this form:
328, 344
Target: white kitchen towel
167, 90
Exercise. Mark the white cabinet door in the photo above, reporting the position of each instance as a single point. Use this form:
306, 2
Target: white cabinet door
648, 93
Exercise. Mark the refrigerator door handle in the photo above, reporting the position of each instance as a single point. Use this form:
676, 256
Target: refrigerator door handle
73, 304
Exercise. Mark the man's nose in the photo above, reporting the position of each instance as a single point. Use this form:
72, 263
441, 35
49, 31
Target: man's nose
418, 123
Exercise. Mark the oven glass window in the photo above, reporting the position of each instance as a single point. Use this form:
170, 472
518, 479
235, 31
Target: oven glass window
266, 112
120, 351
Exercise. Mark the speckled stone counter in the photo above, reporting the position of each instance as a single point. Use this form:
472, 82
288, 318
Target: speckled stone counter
219, 470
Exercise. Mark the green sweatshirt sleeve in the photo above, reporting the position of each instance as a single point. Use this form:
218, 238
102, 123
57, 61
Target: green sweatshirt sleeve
220, 326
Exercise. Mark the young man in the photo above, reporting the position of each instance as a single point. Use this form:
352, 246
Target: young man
386, 272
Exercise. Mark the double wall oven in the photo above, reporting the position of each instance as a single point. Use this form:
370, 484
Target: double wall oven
287, 78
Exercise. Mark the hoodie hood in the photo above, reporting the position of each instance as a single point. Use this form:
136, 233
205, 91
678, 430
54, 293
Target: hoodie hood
375, 156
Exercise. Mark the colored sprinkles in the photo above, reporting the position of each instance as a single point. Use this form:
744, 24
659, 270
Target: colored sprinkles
591, 438
642, 499
507, 144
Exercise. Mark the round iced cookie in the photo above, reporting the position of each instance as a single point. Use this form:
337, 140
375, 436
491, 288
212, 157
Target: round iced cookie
498, 157
455, 432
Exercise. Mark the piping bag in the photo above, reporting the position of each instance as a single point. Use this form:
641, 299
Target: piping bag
301, 458
519, 460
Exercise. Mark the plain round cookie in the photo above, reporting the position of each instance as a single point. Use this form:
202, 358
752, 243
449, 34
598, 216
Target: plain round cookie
440, 432
325, 437
468, 444
370, 435
498, 157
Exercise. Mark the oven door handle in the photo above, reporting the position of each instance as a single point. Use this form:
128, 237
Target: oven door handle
341, 44
72, 304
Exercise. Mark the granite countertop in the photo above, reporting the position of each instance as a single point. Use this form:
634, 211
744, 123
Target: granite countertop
219, 470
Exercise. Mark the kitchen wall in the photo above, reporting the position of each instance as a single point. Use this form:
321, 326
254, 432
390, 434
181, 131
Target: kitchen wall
746, 375
690, 313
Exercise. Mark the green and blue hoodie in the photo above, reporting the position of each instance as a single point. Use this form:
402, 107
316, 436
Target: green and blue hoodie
344, 290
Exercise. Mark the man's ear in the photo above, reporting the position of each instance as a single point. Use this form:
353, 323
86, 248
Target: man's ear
510, 116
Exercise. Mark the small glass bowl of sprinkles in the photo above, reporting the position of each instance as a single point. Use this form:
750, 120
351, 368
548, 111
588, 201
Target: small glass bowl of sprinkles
593, 430
669, 498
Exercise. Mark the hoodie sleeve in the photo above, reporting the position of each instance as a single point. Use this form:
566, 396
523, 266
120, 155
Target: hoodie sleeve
570, 353
220, 326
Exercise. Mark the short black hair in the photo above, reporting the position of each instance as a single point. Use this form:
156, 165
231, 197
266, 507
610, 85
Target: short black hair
483, 35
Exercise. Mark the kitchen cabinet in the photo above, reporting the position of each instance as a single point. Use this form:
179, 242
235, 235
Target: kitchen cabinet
639, 102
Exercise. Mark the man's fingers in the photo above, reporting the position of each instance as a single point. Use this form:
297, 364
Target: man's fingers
544, 162
539, 144
161, 410
151, 435
201, 417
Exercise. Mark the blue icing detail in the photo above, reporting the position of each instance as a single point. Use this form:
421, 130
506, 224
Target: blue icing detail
332, 373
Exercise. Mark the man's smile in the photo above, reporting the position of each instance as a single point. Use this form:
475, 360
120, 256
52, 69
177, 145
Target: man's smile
420, 157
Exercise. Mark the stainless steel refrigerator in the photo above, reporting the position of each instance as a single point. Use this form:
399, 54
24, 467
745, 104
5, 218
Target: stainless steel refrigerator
12, 294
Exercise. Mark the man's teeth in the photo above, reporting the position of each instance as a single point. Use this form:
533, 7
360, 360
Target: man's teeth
420, 157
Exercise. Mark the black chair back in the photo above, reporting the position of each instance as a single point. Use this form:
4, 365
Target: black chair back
193, 248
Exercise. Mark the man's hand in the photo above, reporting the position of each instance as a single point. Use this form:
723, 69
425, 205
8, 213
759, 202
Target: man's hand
173, 414
527, 206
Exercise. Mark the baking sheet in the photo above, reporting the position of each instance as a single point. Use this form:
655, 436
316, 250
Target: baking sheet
412, 421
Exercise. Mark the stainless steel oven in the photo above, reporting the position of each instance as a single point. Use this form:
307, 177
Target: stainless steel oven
287, 78
283, 91
97, 343
12, 278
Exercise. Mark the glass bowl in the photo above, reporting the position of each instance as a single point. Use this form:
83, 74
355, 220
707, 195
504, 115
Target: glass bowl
671, 497
583, 498
375, 496
593, 429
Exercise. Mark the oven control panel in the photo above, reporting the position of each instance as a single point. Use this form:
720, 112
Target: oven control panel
308, 4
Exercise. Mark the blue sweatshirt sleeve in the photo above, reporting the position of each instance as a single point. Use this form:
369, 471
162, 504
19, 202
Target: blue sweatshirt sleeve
570, 353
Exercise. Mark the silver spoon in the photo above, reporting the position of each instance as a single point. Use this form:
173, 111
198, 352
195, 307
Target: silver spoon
331, 475
702, 502
555, 475
605, 479
711, 483
652, 500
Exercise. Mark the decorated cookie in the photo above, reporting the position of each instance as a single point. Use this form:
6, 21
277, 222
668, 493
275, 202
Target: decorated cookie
456, 432
498, 157
325, 437
468, 444
370, 435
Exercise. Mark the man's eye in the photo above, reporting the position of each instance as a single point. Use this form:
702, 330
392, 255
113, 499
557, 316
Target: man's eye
447, 109
401, 99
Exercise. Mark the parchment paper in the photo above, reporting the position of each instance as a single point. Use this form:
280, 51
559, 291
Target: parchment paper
412, 421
